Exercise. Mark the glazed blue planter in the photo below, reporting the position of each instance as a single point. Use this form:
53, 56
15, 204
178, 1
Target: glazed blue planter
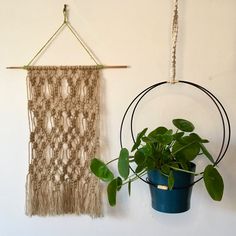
176, 200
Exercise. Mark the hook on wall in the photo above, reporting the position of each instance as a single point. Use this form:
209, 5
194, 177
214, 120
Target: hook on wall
65, 13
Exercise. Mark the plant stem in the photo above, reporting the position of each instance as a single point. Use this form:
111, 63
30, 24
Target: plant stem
116, 159
136, 177
186, 171
112, 161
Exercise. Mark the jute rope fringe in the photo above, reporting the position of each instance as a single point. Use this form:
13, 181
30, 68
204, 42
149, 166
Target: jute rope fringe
63, 104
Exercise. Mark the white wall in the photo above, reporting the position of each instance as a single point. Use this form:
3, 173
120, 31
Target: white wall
136, 33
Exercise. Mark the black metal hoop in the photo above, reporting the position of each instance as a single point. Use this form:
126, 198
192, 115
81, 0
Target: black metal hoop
223, 115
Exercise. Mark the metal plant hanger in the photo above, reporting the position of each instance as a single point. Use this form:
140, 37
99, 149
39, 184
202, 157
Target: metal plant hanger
226, 127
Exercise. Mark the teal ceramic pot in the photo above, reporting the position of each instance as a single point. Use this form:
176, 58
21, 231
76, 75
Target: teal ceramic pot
176, 200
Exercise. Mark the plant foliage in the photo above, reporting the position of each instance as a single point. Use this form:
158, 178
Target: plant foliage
161, 149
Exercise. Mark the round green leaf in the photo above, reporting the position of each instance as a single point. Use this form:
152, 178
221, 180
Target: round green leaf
148, 139
123, 163
139, 157
177, 147
191, 152
206, 153
147, 149
198, 138
178, 136
164, 138
150, 163
111, 192
155, 132
139, 169
119, 183
186, 152
183, 125
138, 139
166, 155
213, 182
186, 148
100, 169
171, 180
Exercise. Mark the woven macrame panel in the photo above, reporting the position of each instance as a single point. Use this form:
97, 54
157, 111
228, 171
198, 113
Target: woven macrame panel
63, 104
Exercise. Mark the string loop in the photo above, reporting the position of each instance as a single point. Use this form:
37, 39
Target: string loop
174, 36
65, 14
66, 23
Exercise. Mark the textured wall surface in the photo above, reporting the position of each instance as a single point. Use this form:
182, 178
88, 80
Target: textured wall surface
136, 33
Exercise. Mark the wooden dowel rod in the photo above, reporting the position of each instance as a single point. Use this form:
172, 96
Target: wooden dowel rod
114, 67
99, 66
15, 67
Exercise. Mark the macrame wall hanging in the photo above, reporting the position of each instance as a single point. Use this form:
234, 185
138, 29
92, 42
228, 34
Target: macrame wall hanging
63, 108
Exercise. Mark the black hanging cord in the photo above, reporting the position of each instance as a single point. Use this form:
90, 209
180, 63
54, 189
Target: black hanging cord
223, 115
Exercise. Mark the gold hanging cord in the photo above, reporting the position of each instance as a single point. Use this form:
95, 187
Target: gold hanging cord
174, 36
72, 30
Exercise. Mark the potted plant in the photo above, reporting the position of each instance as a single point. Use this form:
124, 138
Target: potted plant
166, 157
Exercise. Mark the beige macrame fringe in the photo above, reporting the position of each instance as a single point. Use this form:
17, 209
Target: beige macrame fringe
63, 104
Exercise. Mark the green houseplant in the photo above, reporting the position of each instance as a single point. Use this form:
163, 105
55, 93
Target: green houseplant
164, 151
